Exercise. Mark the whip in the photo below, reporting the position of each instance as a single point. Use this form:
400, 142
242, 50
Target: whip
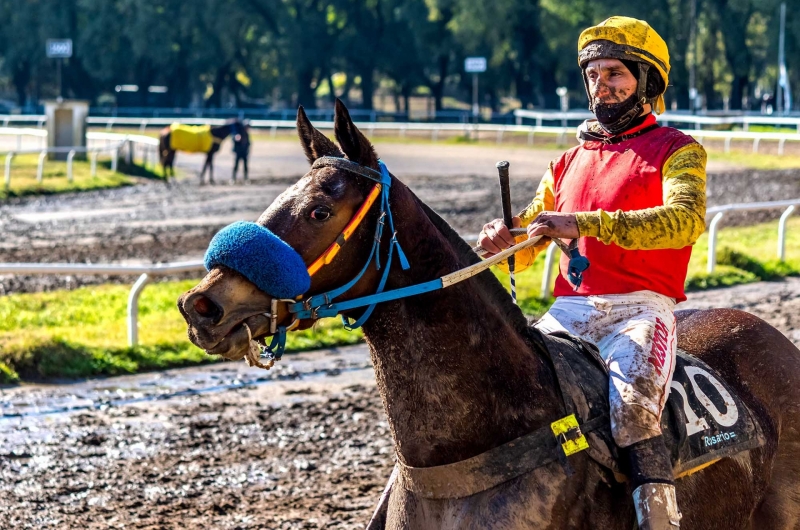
505, 197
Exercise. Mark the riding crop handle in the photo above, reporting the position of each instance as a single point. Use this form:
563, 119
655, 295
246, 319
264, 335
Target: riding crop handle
505, 197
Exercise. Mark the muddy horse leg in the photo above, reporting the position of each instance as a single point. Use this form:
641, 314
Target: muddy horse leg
210, 166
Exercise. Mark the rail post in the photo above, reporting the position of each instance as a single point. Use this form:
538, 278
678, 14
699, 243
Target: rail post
40, 167
93, 170
712, 242
548, 270
9, 156
70, 156
114, 159
133, 309
782, 232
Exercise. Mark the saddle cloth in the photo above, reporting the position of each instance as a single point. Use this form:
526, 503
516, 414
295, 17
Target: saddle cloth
704, 420
190, 138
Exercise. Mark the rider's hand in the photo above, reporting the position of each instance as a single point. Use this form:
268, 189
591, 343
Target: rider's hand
495, 236
554, 224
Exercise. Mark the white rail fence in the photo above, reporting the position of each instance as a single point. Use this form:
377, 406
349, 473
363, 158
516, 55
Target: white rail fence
114, 143
500, 131
745, 121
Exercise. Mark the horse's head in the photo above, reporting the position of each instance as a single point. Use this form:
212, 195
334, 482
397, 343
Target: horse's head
226, 307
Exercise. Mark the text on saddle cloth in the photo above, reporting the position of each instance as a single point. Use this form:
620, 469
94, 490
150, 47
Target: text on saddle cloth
704, 420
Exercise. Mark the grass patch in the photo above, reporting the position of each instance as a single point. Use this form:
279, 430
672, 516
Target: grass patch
54, 176
82, 333
750, 160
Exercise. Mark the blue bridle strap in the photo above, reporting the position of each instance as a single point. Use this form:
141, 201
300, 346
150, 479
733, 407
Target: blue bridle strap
321, 305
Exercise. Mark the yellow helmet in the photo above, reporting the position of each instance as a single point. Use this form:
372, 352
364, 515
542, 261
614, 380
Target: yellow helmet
629, 39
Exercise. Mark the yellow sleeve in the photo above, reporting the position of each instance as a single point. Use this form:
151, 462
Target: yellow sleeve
544, 200
675, 225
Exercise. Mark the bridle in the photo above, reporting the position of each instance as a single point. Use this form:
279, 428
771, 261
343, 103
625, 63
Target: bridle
321, 305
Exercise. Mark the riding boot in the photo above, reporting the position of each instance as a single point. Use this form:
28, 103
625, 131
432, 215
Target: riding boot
656, 507
652, 484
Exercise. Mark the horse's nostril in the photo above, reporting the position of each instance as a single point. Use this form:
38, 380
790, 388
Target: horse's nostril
206, 308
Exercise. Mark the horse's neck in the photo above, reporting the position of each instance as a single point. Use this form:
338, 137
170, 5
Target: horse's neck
221, 131
456, 377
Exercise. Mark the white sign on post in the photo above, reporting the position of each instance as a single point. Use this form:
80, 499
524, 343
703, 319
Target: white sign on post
475, 65
59, 48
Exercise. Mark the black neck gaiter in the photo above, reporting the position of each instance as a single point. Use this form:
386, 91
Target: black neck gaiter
614, 118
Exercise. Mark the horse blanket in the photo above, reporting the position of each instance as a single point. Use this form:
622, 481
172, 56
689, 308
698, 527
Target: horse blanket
190, 138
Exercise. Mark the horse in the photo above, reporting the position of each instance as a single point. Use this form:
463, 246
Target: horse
461, 371
218, 134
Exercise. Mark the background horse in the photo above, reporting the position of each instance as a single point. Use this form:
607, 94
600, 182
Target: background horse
461, 371
218, 134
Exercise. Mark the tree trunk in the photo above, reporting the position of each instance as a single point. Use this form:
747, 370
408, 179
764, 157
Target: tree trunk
332, 88
215, 100
21, 79
437, 88
305, 94
367, 88
738, 87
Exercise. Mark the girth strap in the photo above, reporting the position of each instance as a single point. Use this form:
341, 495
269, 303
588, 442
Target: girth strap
489, 469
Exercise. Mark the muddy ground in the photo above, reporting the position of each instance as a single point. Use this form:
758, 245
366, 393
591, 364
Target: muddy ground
224, 446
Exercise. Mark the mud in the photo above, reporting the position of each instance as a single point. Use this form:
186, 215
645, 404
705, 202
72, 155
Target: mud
225, 447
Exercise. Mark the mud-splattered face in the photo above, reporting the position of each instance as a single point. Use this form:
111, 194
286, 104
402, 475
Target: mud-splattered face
609, 81
308, 216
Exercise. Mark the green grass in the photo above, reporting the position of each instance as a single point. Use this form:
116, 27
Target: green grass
83, 333
54, 177
80, 333
749, 160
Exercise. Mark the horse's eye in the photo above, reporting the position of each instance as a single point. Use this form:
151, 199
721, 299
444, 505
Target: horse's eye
320, 213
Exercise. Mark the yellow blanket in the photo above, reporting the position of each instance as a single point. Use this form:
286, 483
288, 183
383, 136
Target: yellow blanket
192, 139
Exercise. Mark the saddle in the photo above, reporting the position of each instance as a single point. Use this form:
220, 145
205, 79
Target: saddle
703, 421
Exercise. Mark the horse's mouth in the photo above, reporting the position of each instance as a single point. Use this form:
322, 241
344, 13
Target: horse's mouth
235, 344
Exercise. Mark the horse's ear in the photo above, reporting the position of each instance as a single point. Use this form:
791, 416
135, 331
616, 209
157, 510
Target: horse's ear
315, 144
354, 144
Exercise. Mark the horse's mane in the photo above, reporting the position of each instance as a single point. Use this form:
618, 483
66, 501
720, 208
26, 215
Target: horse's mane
490, 285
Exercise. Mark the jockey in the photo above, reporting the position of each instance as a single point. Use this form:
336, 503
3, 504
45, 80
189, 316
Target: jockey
634, 193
